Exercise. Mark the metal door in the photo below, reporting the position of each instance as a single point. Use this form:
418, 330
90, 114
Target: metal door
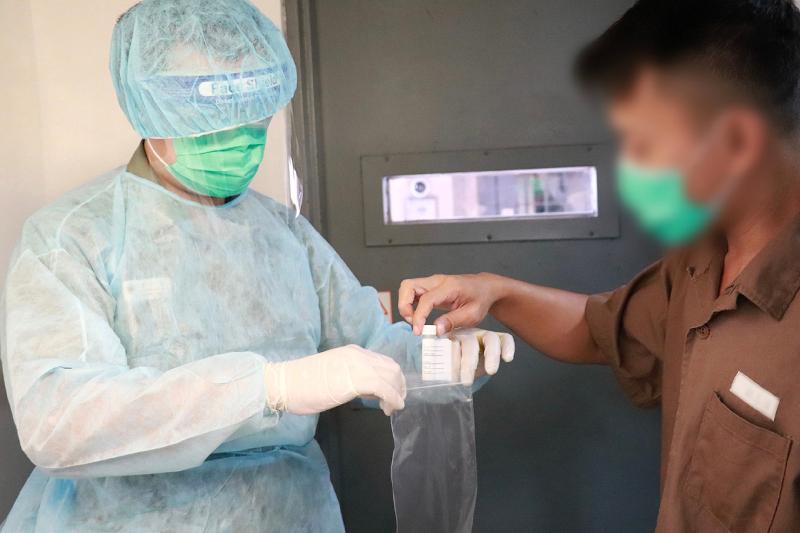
559, 447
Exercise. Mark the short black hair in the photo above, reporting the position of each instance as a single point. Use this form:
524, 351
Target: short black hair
753, 45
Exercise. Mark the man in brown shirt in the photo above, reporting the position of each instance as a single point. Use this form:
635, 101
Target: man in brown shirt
705, 97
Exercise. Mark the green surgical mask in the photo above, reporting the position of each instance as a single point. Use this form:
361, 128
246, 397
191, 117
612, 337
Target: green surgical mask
220, 164
657, 198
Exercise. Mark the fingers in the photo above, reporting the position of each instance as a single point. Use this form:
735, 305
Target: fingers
507, 347
427, 302
385, 381
470, 355
394, 377
462, 317
410, 290
383, 360
390, 398
491, 346
491, 352
406, 296
386, 368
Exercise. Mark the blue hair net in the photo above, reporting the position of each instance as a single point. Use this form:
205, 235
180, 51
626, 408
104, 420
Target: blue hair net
185, 67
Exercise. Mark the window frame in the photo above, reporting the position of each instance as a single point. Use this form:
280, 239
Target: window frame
430, 179
375, 167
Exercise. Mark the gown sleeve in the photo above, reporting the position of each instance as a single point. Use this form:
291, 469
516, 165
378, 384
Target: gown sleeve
351, 313
79, 408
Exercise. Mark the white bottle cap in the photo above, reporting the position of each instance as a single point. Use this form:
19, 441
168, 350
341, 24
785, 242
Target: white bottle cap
429, 330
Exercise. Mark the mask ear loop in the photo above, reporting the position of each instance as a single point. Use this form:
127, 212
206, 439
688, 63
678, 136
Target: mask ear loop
199, 198
155, 152
196, 196
166, 167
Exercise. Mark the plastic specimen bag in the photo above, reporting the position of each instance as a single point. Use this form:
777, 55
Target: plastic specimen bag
434, 474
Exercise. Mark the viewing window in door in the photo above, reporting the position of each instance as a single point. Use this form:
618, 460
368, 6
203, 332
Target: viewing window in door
567, 192
516, 194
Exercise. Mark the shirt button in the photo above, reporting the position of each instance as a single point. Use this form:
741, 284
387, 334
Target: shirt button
704, 331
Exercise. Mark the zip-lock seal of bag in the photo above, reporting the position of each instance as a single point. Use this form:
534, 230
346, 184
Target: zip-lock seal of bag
437, 357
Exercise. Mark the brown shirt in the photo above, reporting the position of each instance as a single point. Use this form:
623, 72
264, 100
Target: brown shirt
674, 339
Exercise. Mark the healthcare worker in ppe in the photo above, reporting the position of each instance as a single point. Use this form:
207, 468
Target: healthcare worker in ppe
168, 336
705, 99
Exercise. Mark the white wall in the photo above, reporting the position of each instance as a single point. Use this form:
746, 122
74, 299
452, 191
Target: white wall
21, 176
61, 126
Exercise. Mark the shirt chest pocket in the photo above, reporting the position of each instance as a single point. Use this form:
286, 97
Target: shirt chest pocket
736, 470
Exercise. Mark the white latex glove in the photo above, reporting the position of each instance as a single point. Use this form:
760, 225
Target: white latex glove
473, 346
319, 382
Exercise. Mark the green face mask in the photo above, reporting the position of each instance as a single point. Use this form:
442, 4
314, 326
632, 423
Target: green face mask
220, 164
658, 200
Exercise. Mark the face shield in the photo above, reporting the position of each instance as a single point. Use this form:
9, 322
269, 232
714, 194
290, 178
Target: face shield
201, 80
187, 67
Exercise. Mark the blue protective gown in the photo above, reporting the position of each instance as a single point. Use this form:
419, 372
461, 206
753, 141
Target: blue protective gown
136, 326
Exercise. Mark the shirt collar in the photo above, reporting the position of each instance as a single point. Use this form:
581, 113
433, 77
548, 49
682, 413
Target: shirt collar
770, 281
772, 278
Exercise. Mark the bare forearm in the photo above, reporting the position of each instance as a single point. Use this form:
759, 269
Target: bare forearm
550, 320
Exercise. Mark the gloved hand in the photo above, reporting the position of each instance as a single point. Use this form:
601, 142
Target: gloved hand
316, 383
479, 351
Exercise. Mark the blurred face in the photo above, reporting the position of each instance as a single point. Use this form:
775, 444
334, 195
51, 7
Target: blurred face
668, 121
655, 129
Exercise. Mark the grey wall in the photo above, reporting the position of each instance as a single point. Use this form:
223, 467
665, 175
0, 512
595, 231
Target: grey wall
559, 447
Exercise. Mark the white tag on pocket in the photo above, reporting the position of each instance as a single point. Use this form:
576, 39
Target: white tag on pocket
755, 395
